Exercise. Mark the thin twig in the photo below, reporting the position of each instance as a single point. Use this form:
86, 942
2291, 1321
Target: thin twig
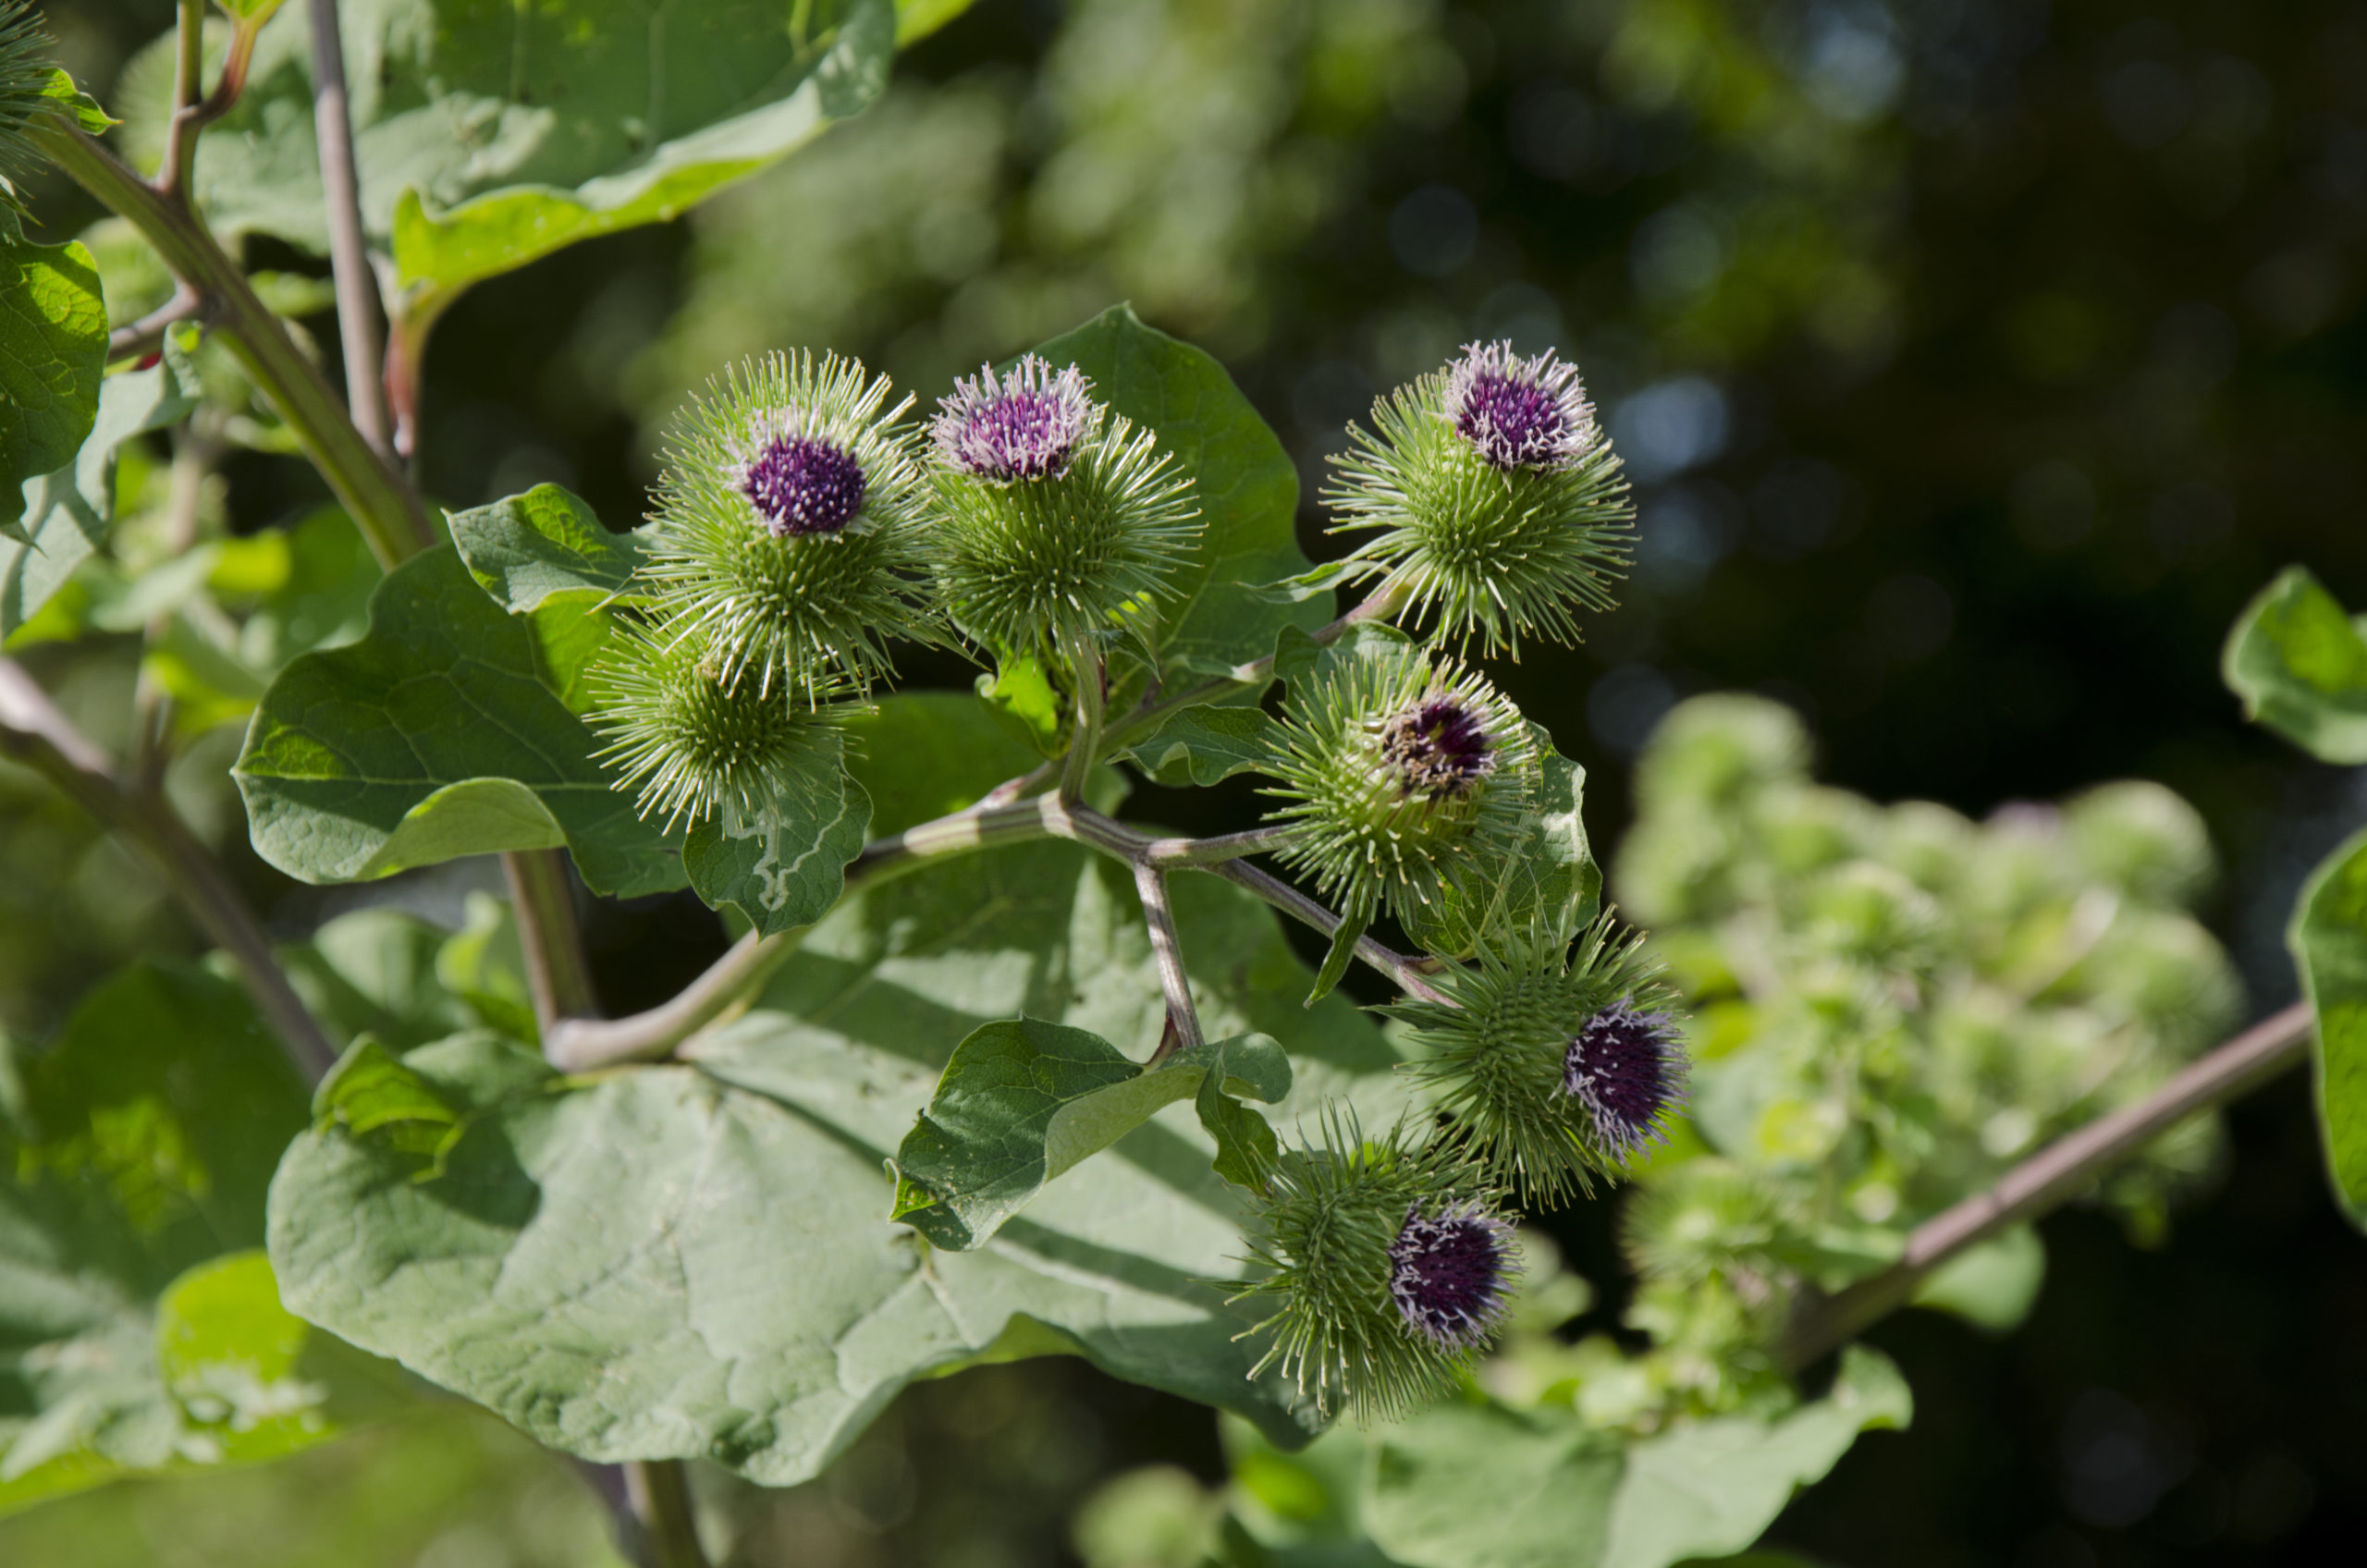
357, 289
35, 733
137, 340
1299, 907
1167, 951
1084, 742
584, 1045
2059, 1172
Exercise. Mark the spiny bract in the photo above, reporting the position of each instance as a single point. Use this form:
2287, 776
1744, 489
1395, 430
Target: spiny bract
1554, 1064
697, 742
1391, 1268
1401, 770
789, 538
1057, 522
1495, 504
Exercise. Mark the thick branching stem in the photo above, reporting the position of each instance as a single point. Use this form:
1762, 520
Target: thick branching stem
34, 732
357, 289
385, 508
1167, 951
2042, 1183
1205, 853
541, 892
659, 1492
582, 1044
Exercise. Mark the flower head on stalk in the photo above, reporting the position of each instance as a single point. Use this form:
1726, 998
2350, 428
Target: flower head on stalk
1555, 1064
1490, 497
789, 540
1390, 1266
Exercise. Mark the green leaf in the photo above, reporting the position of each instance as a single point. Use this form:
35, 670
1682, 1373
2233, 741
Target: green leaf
488, 136
67, 512
1021, 697
1022, 1100
483, 964
1205, 745
2329, 942
135, 1332
693, 1258
373, 971
785, 872
59, 89
1338, 956
1246, 483
526, 549
1713, 1487
2301, 665
434, 737
1991, 1286
1483, 1485
52, 351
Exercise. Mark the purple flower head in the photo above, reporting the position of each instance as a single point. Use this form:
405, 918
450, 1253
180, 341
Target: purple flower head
1440, 747
1627, 1068
1517, 413
1025, 426
1450, 1275
803, 485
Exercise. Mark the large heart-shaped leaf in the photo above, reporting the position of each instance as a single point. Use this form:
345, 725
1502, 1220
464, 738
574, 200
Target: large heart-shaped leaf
487, 136
2301, 665
1245, 484
135, 1334
52, 350
696, 1258
441, 734
2329, 941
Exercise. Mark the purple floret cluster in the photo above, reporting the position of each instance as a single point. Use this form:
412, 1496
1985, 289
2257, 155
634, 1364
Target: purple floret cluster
803, 485
1519, 412
1627, 1067
1026, 425
1450, 1275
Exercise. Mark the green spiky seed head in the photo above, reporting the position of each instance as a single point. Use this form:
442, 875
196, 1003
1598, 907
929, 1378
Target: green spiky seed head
693, 741
789, 539
1491, 496
1555, 1064
1401, 771
24, 86
1056, 520
1390, 1266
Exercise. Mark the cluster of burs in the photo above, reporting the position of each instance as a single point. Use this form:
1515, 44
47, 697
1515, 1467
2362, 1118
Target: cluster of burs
805, 524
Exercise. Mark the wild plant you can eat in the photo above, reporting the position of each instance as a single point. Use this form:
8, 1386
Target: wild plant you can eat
248, 1204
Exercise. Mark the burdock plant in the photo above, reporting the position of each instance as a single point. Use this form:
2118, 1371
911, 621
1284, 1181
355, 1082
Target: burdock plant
1390, 1266
789, 540
1554, 1064
1057, 522
1493, 504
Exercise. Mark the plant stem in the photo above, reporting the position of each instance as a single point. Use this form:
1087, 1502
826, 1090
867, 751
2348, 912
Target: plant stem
383, 507
357, 291
138, 340
34, 732
1406, 971
543, 894
660, 1492
1206, 852
2039, 1184
1084, 740
189, 63
1167, 951
584, 1045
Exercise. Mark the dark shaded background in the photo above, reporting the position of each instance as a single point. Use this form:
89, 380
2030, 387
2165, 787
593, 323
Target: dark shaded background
1976, 361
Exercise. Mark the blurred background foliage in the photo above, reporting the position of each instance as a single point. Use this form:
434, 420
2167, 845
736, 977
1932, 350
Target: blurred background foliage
1975, 360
